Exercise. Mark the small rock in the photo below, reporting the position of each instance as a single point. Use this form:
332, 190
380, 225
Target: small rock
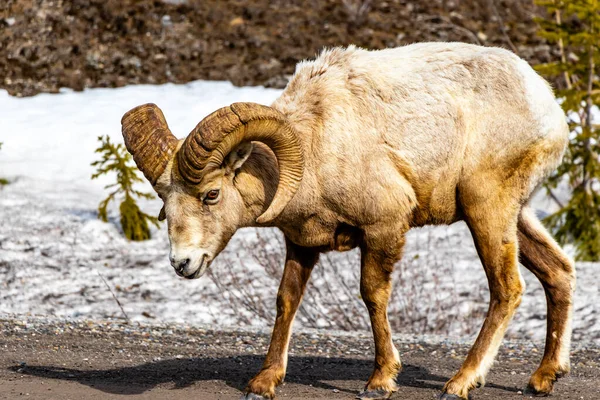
236, 21
166, 21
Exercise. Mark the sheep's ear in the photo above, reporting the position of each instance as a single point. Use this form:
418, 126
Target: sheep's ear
238, 157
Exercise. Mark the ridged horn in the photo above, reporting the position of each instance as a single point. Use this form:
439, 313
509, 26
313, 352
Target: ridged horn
148, 139
222, 131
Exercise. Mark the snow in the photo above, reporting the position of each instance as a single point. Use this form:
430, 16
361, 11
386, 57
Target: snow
55, 253
53, 137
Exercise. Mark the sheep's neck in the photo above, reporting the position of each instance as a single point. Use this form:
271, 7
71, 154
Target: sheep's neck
257, 183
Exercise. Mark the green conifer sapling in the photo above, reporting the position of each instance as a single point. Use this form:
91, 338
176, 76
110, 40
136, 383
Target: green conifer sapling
2, 180
115, 158
574, 26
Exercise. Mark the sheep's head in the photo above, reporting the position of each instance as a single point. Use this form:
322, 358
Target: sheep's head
195, 177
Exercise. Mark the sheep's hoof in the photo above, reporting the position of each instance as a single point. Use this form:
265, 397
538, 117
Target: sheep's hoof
252, 396
531, 391
374, 394
447, 396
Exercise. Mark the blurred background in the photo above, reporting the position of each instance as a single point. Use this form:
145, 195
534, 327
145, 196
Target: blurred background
80, 44
70, 69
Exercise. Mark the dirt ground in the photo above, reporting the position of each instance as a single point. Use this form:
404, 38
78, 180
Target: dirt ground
49, 44
54, 359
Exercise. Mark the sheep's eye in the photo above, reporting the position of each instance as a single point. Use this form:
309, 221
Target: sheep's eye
212, 195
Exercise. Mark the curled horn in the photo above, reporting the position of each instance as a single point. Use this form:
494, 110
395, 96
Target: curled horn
221, 132
148, 139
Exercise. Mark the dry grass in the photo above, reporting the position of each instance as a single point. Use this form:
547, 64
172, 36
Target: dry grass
425, 299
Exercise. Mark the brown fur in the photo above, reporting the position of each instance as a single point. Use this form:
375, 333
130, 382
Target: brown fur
298, 266
541, 255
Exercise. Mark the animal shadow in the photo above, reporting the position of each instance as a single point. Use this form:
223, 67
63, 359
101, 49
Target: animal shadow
234, 371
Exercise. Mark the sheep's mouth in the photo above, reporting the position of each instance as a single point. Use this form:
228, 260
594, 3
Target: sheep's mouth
204, 264
194, 275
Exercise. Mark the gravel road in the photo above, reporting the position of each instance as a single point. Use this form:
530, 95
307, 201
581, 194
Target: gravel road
69, 359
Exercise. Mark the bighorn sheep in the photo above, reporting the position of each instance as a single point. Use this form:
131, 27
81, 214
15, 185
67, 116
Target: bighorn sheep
360, 147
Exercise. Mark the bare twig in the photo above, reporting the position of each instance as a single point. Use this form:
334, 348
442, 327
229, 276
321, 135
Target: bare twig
451, 25
556, 200
424, 299
113, 295
563, 56
357, 10
589, 103
502, 27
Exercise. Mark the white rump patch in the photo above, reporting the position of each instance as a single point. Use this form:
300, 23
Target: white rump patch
542, 104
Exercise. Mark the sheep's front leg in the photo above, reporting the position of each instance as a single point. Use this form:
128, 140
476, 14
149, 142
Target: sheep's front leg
375, 289
298, 266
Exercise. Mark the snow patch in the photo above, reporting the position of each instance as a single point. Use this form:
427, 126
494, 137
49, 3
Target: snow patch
54, 252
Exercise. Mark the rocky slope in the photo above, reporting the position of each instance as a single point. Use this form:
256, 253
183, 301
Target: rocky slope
48, 44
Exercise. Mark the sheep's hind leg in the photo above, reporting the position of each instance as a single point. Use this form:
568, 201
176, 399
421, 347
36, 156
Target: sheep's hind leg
375, 289
493, 225
298, 267
542, 256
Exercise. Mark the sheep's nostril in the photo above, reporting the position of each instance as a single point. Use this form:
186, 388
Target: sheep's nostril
184, 264
181, 265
